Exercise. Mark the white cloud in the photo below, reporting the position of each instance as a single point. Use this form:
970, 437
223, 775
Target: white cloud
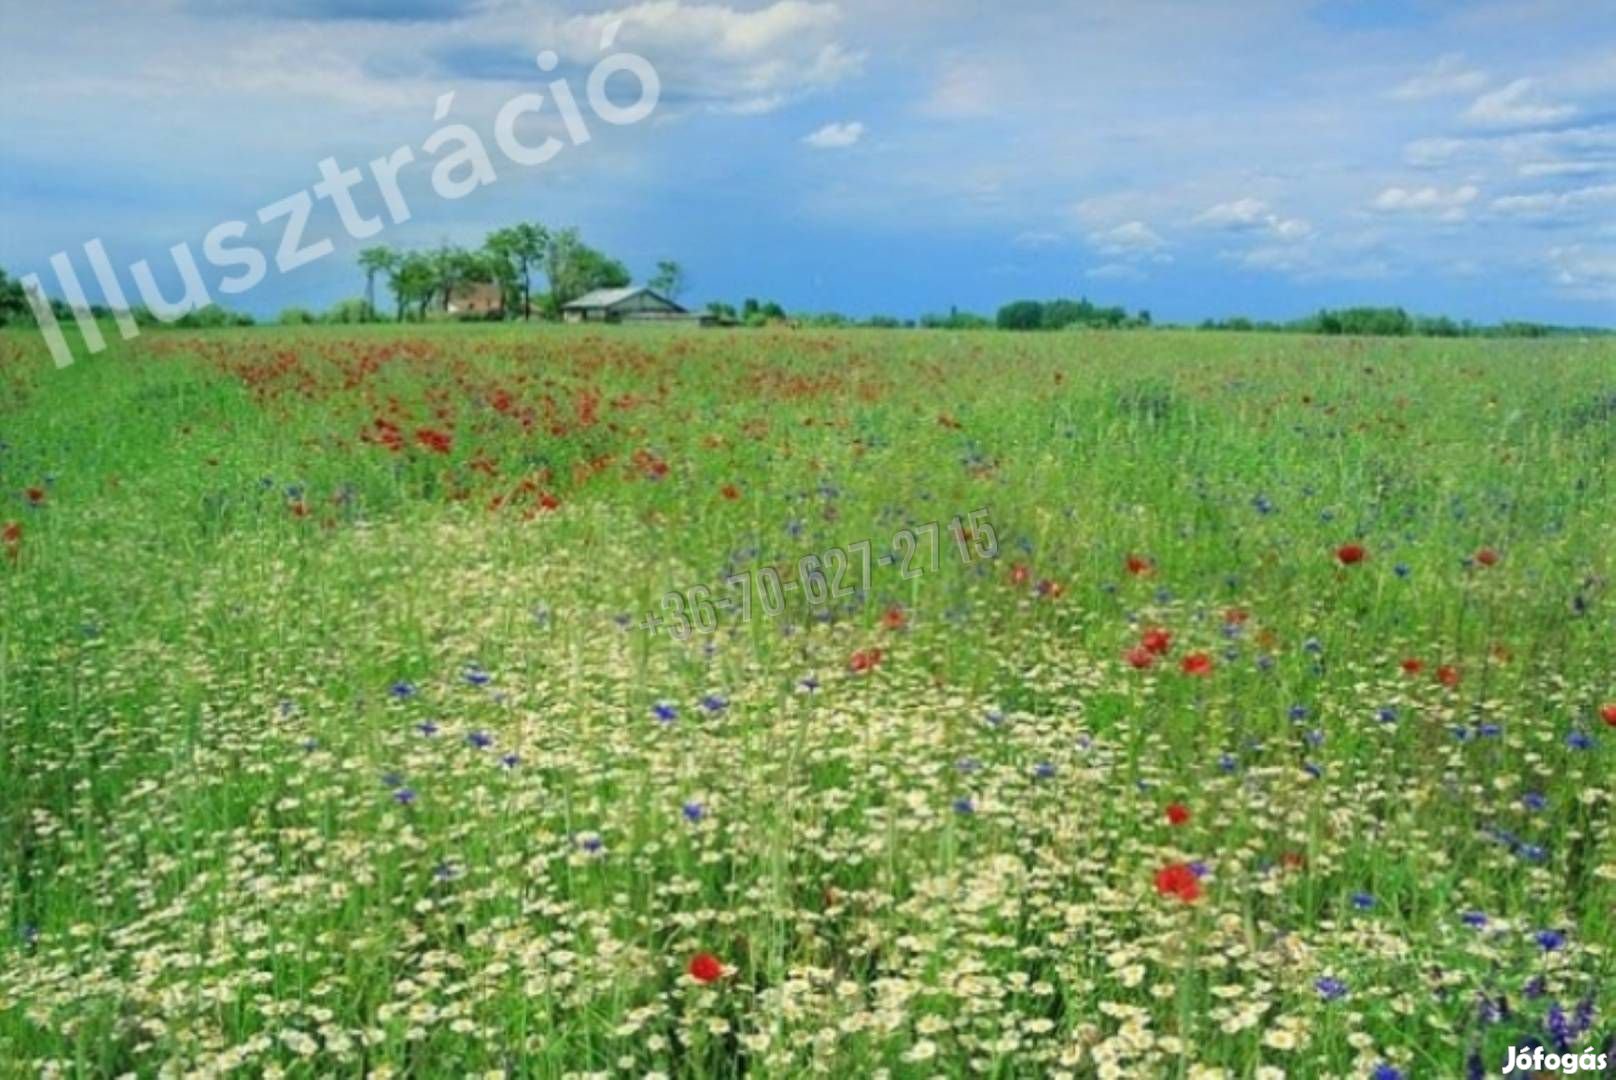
1448, 76
835, 136
1517, 105
745, 62
1427, 201
1566, 168
1251, 215
1547, 206
1131, 240
1115, 272
1582, 272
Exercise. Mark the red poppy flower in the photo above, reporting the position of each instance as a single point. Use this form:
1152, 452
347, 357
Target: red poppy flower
1236, 616
35, 495
1448, 675
1608, 714
299, 508
1487, 557
1412, 666
1140, 657
730, 492
435, 441
12, 533
1156, 640
1019, 574
864, 660
1050, 590
1351, 554
1139, 566
1293, 860
1177, 814
1197, 664
893, 618
1179, 880
548, 502
705, 968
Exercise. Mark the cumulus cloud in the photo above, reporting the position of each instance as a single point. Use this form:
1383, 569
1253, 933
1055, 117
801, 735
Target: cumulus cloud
835, 136
1253, 215
1427, 201
1448, 76
1583, 272
1132, 239
1517, 105
1555, 206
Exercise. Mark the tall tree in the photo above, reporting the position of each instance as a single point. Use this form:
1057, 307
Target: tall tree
519, 250
413, 280
669, 279
574, 268
373, 261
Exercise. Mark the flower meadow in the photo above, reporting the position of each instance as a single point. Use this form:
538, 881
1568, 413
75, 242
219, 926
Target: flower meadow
1276, 739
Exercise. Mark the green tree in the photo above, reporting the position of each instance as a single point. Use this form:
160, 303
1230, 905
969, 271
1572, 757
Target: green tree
373, 261
669, 279
574, 268
1021, 315
412, 279
514, 253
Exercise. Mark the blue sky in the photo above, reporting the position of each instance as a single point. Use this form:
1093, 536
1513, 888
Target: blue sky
1193, 157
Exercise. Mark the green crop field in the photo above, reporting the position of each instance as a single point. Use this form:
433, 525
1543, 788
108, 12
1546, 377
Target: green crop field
453, 701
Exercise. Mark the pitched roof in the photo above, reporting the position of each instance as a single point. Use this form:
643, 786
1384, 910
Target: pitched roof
605, 298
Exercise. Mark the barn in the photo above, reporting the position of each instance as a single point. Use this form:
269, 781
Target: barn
633, 304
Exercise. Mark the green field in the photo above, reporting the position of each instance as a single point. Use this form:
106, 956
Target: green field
334, 738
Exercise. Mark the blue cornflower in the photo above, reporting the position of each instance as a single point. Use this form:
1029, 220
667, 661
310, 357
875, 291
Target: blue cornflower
1331, 988
964, 805
1315, 737
664, 712
591, 843
510, 761
1298, 712
480, 740
1362, 901
402, 690
1313, 770
1386, 1071
1387, 715
392, 780
428, 728
1402, 570
404, 796
810, 684
1262, 505
1043, 770
476, 676
1534, 800
1228, 763
445, 872
1580, 740
714, 703
1313, 645
694, 812
1489, 731
1549, 940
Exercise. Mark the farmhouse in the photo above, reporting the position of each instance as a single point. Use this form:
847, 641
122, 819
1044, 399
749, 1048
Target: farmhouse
476, 298
633, 304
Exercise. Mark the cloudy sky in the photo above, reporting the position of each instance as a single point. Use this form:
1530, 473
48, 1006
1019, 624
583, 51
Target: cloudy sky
1193, 157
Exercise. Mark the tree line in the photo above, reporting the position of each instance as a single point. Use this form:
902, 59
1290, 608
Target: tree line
509, 259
